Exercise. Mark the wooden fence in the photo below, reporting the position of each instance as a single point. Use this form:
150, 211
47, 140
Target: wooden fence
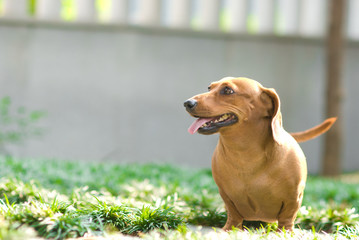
303, 18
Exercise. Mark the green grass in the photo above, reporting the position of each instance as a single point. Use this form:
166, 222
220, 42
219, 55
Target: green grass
62, 199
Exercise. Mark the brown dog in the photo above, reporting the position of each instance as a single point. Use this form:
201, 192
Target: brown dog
259, 168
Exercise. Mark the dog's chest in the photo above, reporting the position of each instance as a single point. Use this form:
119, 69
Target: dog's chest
255, 196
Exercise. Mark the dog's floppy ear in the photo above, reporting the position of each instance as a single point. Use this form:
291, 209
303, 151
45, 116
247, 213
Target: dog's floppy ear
271, 102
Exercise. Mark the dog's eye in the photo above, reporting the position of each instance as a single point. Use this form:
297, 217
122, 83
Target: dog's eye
209, 88
227, 91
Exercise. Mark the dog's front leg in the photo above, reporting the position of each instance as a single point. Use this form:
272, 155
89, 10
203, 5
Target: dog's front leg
287, 215
234, 219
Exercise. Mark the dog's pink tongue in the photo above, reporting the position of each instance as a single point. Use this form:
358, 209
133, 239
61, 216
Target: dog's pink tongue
197, 124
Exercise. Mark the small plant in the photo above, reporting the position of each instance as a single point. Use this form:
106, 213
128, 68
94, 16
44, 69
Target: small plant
330, 219
208, 217
349, 232
17, 125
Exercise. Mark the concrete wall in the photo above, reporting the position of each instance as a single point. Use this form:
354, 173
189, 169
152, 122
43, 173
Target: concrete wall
116, 93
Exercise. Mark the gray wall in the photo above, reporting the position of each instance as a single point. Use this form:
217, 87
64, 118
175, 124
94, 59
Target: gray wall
116, 93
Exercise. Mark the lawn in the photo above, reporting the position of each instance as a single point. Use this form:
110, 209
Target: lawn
62, 199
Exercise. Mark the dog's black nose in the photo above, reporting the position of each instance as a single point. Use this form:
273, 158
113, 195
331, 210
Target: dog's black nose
190, 104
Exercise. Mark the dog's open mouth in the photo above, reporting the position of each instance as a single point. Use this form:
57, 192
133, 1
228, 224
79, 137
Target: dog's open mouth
212, 124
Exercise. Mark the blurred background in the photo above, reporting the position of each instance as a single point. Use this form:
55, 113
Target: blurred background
105, 80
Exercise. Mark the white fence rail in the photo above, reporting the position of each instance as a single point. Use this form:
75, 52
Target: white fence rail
306, 18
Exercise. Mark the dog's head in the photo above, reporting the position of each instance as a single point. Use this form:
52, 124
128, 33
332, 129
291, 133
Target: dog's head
231, 102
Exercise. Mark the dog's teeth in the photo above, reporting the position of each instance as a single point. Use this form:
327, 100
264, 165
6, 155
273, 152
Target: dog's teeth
224, 117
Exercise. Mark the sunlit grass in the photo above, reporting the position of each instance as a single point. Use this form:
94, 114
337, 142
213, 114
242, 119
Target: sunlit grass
58, 199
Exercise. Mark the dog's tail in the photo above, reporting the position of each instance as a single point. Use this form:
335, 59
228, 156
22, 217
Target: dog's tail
315, 131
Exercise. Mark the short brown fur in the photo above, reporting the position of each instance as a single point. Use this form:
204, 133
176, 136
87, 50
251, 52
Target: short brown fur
259, 168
